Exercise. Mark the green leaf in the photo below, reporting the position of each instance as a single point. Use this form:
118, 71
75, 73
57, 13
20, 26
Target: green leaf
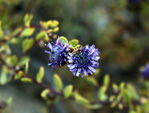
56, 29
78, 46
16, 31
126, 96
7, 49
27, 32
95, 106
15, 41
112, 97
106, 80
9, 100
63, 39
40, 35
72, 48
114, 103
122, 85
68, 91
120, 106
40, 74
46, 37
44, 93
92, 80
23, 61
26, 80
132, 91
115, 87
3, 76
2, 48
138, 109
53, 23
145, 107
81, 100
18, 75
73, 42
11, 60
27, 43
1, 32
58, 82
26, 67
101, 93
27, 19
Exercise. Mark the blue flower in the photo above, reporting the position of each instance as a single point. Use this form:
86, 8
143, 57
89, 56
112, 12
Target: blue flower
133, 1
145, 73
84, 60
57, 54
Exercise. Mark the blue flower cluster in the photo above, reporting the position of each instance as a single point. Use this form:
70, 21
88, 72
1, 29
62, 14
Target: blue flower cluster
134, 1
145, 73
82, 60
57, 54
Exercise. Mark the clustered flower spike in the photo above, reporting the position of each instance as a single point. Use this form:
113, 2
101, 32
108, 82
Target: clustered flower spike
133, 1
58, 53
84, 61
145, 73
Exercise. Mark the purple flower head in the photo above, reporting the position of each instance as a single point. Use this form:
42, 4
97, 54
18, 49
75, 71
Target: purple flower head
57, 54
133, 1
145, 73
84, 60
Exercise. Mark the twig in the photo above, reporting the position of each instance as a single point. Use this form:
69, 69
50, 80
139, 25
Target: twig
61, 93
43, 85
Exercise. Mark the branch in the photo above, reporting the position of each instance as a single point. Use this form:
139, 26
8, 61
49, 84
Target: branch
44, 86
59, 93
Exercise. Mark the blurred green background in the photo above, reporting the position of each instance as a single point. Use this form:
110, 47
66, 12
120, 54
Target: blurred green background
118, 28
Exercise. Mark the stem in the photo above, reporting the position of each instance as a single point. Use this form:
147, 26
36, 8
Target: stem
101, 102
43, 85
60, 93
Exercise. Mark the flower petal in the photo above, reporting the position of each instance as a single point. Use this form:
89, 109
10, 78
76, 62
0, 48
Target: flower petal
78, 72
71, 67
48, 52
49, 45
92, 69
